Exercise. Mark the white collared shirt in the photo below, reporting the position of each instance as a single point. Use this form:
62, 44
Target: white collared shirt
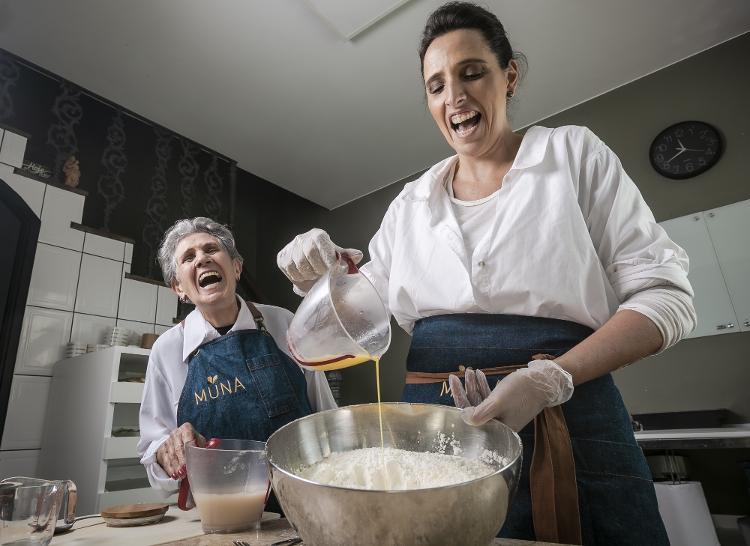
167, 372
570, 238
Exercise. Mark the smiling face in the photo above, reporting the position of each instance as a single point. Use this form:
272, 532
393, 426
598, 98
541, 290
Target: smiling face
467, 91
206, 273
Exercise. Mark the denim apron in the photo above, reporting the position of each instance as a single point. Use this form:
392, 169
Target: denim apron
242, 386
615, 493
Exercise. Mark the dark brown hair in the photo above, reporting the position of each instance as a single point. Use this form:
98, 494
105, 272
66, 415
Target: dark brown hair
465, 15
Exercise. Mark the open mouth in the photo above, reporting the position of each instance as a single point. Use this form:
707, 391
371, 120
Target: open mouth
464, 122
208, 278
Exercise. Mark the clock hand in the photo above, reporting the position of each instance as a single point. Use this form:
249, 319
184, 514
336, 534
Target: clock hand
675, 155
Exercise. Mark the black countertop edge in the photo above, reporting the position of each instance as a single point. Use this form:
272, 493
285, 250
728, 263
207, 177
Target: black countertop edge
38, 178
101, 233
14, 130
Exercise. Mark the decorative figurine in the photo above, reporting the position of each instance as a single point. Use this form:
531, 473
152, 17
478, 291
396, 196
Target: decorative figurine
72, 172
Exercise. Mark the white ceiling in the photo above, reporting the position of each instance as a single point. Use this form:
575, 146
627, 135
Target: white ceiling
273, 85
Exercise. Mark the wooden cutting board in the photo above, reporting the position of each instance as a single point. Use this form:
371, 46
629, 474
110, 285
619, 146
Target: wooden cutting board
131, 511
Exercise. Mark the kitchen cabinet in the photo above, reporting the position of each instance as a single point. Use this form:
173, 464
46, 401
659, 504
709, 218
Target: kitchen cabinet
729, 226
719, 266
44, 334
62, 207
91, 429
18, 463
137, 301
712, 303
12, 148
99, 286
24, 422
54, 280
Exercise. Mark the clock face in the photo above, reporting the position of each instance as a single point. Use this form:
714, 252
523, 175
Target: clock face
685, 149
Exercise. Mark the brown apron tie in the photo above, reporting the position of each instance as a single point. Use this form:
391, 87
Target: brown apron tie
554, 492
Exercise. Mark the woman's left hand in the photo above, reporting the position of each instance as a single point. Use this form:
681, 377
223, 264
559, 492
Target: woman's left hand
515, 400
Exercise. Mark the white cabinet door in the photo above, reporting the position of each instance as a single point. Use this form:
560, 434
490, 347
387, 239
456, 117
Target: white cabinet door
12, 149
166, 306
27, 405
60, 208
19, 463
99, 286
137, 301
91, 329
44, 335
104, 247
712, 303
729, 228
54, 278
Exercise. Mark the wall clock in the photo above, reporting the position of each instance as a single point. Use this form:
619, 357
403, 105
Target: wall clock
686, 149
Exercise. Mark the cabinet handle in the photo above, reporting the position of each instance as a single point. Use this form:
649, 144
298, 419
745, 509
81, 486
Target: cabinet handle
725, 326
711, 215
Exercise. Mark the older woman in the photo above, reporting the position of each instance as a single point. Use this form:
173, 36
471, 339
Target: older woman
224, 371
535, 248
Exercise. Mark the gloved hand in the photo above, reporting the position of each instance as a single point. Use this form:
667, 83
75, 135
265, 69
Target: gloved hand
515, 400
308, 256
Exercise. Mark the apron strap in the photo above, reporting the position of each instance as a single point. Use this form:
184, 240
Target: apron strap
257, 316
554, 490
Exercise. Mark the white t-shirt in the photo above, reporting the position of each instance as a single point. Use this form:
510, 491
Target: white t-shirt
570, 238
167, 372
472, 217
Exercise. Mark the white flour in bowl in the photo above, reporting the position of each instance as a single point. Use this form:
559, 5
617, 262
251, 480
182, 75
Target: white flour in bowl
363, 469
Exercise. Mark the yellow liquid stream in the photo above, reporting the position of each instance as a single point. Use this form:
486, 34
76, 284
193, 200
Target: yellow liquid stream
336, 364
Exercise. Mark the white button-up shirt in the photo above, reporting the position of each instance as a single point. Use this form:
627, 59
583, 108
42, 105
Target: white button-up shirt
167, 372
571, 238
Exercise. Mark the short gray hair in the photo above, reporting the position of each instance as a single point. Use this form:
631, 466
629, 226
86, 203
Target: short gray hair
183, 228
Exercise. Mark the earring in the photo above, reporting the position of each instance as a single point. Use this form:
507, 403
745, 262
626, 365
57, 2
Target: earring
509, 94
185, 299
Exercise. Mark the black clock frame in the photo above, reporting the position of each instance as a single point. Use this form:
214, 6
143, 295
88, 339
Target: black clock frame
687, 174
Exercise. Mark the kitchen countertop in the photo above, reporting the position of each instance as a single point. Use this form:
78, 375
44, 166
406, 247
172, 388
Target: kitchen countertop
180, 528
730, 436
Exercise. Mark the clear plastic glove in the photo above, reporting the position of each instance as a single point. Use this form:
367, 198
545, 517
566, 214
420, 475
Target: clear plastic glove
515, 400
308, 256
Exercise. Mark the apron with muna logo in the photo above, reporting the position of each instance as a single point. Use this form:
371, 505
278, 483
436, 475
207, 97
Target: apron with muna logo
242, 386
584, 480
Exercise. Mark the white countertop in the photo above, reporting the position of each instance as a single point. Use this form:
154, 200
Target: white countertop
176, 525
733, 431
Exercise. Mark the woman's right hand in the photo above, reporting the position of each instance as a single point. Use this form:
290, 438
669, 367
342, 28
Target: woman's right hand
308, 256
171, 454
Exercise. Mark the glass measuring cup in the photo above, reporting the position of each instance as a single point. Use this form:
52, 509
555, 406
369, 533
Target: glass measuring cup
230, 484
29, 509
341, 322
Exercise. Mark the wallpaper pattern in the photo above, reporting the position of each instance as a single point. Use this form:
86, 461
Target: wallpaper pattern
140, 177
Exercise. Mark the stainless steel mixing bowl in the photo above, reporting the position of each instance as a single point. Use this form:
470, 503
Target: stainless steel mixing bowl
467, 514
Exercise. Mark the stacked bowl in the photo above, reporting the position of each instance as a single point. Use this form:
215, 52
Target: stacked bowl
120, 336
75, 349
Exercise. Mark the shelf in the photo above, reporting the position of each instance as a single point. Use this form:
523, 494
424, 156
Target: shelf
124, 447
126, 393
736, 436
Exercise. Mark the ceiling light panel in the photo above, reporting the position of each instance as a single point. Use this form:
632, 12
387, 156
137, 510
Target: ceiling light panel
350, 18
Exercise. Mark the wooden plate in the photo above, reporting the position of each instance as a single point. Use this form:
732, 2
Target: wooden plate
125, 515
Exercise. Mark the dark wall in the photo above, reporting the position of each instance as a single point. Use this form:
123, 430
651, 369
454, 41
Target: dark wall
140, 177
